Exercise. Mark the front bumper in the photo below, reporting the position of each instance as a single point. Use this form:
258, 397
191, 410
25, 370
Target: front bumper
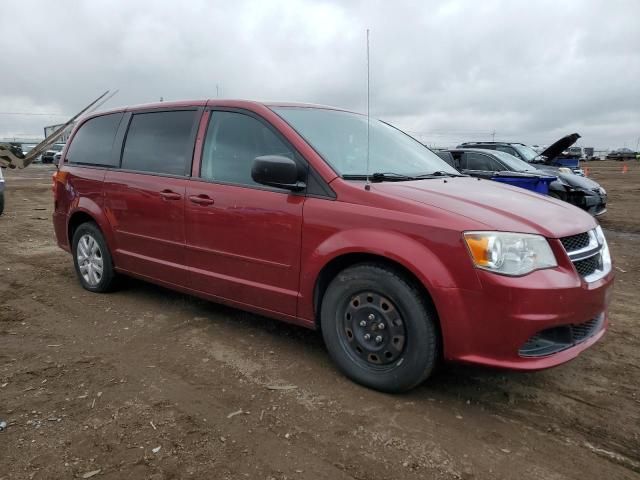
492, 326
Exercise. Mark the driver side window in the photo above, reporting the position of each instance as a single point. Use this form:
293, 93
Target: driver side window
232, 142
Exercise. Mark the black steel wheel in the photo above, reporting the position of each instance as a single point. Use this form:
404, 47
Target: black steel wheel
373, 328
379, 329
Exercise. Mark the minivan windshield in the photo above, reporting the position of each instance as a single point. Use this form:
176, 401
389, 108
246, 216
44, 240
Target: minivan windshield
341, 139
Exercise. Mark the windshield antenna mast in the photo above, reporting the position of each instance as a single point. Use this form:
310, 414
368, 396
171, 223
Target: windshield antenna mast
367, 186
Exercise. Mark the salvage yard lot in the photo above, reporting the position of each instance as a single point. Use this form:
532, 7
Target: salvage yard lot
94, 384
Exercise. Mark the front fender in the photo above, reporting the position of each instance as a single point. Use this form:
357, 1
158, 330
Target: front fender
402, 249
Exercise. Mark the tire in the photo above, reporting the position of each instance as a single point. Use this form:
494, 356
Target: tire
398, 355
93, 243
1, 203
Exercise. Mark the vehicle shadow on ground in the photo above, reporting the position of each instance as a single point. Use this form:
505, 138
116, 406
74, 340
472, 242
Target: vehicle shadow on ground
460, 381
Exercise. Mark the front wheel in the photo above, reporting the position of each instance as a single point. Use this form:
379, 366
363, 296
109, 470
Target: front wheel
379, 329
92, 259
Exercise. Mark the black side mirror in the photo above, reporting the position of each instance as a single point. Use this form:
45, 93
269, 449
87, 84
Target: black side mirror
276, 171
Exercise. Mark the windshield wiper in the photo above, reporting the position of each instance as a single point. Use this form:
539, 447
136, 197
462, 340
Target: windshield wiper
439, 173
399, 177
390, 177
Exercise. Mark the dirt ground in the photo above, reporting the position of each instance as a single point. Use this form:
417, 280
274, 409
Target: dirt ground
147, 383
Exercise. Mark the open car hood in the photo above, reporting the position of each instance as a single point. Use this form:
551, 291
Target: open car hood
555, 149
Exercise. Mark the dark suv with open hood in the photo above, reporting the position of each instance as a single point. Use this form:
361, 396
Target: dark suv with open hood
575, 189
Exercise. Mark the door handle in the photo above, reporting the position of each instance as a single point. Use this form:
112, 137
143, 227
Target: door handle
169, 195
201, 199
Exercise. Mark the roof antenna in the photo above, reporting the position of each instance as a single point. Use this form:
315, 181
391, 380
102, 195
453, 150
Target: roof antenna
367, 185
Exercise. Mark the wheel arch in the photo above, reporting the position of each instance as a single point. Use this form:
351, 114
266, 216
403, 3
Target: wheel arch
89, 212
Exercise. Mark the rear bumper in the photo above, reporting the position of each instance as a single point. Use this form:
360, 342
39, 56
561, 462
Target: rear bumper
491, 326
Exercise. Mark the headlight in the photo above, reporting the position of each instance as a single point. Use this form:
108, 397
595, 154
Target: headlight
565, 170
511, 254
605, 254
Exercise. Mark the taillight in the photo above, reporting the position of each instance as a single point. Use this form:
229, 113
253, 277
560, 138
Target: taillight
59, 176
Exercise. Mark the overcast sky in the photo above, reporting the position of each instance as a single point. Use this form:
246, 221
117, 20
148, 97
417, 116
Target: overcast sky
446, 72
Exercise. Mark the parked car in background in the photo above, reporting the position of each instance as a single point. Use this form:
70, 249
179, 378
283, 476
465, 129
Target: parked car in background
48, 156
291, 212
622, 154
574, 152
27, 147
552, 155
500, 167
56, 158
575, 189
1, 192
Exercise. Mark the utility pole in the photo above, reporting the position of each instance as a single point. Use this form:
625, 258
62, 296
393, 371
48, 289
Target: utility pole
217, 91
493, 136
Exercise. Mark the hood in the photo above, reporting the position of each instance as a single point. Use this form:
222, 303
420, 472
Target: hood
494, 206
571, 179
555, 149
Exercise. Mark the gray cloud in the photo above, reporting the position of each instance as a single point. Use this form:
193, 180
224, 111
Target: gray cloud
445, 71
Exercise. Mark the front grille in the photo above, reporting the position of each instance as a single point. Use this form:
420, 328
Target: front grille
556, 339
585, 252
584, 330
588, 265
575, 242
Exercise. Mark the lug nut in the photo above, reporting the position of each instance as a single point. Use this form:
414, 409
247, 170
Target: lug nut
363, 323
372, 316
381, 326
367, 336
379, 339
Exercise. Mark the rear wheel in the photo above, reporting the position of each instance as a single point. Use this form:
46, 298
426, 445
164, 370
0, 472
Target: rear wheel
379, 329
92, 259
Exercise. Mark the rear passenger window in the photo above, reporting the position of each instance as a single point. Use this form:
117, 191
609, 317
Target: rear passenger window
478, 161
159, 142
92, 143
233, 141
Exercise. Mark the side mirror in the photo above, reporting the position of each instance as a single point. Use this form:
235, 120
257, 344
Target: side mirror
276, 171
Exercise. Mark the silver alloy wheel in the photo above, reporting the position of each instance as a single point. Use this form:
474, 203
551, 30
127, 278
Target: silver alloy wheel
90, 260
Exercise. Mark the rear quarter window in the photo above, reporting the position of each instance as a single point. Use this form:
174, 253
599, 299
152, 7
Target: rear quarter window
92, 143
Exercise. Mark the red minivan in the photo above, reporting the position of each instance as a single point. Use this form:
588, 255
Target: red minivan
319, 217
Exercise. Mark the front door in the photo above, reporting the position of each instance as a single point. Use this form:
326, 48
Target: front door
145, 198
243, 239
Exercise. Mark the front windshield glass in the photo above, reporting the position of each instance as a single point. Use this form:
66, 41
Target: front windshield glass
527, 153
57, 147
341, 139
513, 163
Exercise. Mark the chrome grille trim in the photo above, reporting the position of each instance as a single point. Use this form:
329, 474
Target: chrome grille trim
587, 260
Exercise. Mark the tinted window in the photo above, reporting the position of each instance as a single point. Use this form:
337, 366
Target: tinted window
233, 141
92, 144
159, 142
478, 161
